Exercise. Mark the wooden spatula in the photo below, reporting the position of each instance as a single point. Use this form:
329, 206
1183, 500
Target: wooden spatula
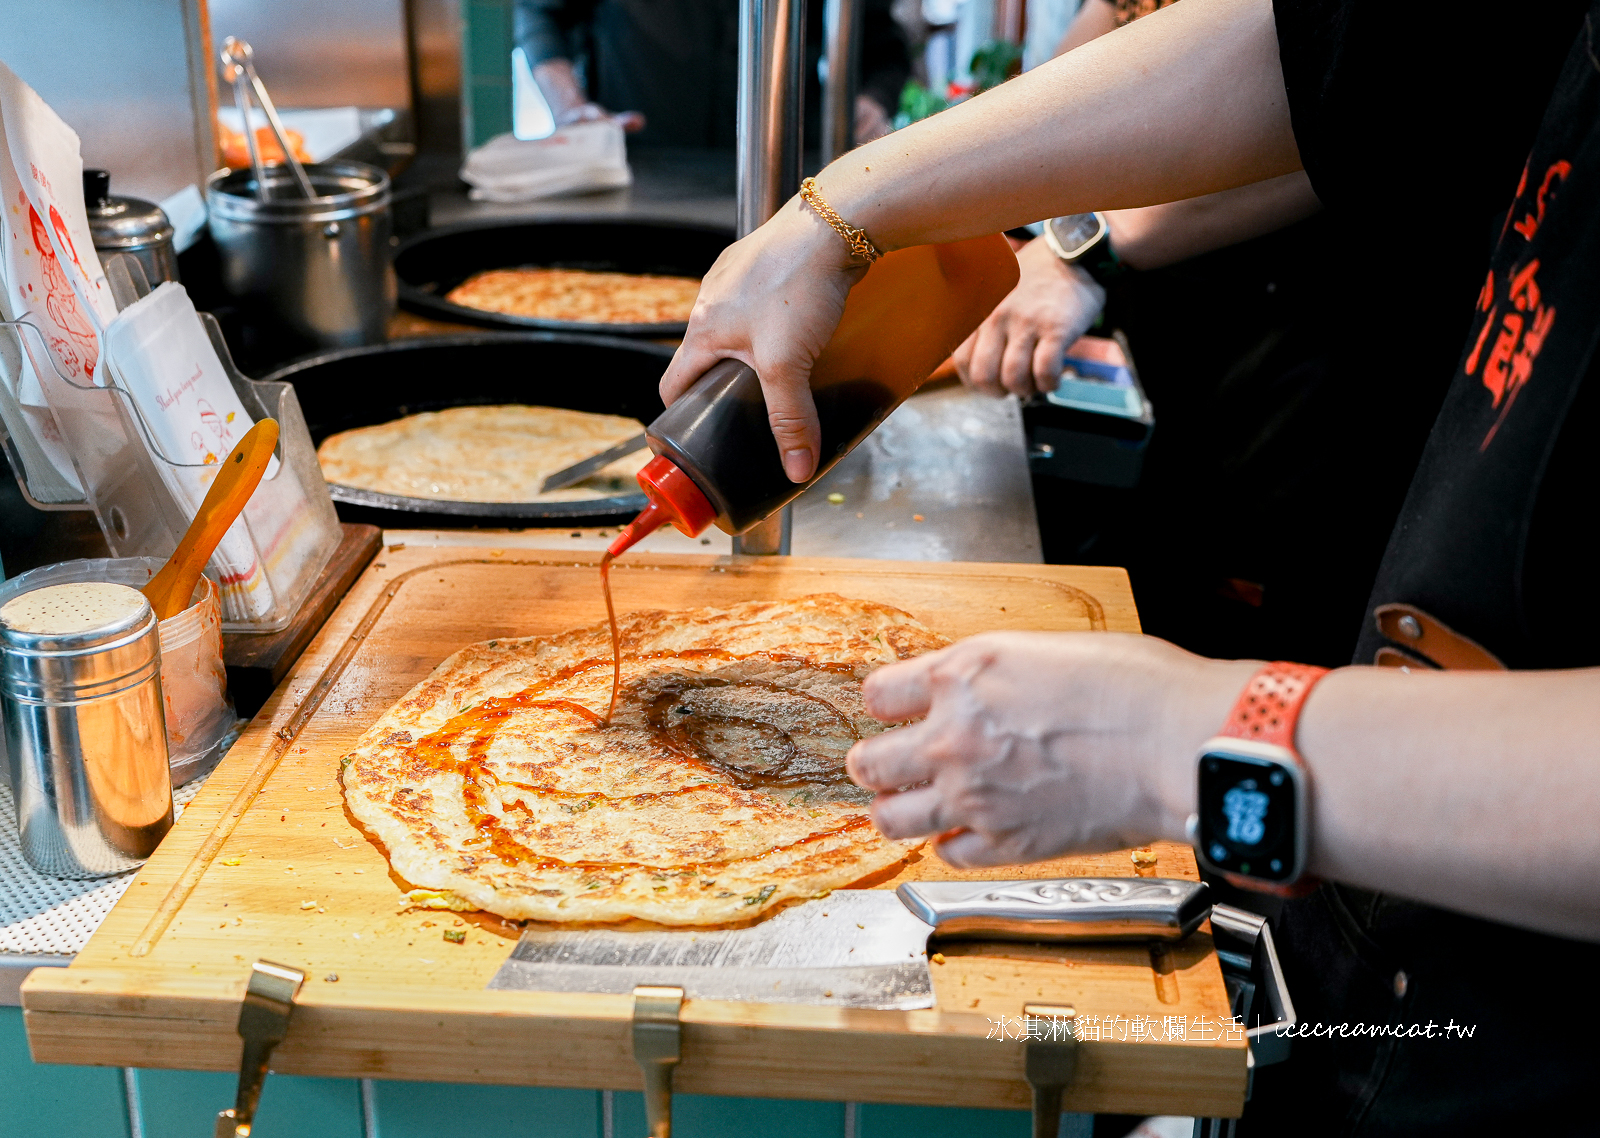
169, 590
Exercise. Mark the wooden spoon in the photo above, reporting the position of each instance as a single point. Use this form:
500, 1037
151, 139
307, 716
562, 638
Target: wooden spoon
169, 590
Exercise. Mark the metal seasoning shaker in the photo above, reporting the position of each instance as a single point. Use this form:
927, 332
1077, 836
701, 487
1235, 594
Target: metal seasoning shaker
129, 225
86, 741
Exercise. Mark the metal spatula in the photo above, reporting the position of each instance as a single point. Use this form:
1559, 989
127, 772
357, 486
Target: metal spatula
591, 466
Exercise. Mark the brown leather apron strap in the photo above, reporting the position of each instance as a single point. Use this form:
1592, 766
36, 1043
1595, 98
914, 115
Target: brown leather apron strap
1389, 656
1420, 639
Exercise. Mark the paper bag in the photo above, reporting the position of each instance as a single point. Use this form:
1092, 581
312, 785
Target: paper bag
158, 352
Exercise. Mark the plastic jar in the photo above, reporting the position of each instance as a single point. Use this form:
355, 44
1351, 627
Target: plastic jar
201, 724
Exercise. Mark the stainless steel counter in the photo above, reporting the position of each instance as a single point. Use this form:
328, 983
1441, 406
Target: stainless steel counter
683, 185
953, 459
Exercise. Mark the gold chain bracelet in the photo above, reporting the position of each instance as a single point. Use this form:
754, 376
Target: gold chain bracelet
861, 245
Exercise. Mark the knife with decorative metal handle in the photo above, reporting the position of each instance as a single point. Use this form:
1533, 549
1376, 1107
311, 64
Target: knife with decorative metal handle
1073, 908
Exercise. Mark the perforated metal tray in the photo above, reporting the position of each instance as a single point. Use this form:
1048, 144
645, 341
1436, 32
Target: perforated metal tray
45, 920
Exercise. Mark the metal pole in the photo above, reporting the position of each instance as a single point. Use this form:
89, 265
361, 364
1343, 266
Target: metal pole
1009, 19
771, 47
771, 84
841, 29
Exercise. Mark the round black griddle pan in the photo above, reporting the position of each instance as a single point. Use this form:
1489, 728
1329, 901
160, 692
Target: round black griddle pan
435, 261
360, 387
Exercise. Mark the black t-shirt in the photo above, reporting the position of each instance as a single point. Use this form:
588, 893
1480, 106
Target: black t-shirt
674, 60
1302, 372
1491, 538
1413, 121
1418, 117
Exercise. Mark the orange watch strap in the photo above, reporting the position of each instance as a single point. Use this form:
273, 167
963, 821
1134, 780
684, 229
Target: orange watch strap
1269, 707
1267, 711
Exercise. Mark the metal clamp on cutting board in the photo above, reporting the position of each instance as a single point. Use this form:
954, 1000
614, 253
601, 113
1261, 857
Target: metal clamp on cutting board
657, 1047
1255, 983
1257, 993
1048, 1062
263, 1023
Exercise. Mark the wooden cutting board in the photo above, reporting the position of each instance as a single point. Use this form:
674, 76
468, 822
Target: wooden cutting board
267, 864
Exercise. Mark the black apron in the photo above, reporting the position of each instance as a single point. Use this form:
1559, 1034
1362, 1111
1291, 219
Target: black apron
1491, 541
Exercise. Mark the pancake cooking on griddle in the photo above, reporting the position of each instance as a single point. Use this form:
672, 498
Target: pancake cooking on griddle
579, 295
483, 454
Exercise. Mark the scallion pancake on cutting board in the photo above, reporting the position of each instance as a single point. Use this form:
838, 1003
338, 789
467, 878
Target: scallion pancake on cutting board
500, 453
716, 793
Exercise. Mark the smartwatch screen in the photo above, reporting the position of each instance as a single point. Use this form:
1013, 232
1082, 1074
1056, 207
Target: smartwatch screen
1247, 816
1075, 232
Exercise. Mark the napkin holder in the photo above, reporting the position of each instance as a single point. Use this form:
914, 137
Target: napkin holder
122, 468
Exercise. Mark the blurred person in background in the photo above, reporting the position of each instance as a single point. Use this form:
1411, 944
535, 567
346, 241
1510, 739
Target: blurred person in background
668, 69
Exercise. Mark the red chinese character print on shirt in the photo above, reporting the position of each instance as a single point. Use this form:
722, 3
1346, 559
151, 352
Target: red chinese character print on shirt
1517, 324
1529, 224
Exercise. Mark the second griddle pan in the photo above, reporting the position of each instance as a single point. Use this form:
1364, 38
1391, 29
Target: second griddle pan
435, 261
360, 387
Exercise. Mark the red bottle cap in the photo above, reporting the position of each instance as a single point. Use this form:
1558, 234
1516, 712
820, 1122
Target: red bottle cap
674, 498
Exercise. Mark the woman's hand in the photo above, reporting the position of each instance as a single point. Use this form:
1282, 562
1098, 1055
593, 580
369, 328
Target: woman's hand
557, 81
1018, 347
772, 300
1036, 745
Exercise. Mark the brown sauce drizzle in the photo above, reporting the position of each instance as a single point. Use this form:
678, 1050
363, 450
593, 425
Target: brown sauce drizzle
616, 636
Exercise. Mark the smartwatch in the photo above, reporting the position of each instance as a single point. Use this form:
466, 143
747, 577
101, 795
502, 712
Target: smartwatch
1084, 240
1251, 823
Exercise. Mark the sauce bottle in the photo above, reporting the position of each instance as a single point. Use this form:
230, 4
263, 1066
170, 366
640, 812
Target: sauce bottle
716, 459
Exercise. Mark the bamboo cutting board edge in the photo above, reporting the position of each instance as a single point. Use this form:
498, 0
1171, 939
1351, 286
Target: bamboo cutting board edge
548, 1039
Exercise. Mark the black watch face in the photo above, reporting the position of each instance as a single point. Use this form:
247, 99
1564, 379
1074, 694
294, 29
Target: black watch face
1247, 816
1075, 232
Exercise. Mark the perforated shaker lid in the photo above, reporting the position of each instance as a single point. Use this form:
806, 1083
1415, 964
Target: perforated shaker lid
78, 615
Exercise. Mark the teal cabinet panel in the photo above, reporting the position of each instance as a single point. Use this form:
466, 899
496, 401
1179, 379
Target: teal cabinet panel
712, 1116
46, 1099
174, 1103
432, 1110
183, 1104
880, 1120
487, 36
486, 43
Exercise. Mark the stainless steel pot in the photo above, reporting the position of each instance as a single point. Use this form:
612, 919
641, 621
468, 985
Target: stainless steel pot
314, 269
86, 741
